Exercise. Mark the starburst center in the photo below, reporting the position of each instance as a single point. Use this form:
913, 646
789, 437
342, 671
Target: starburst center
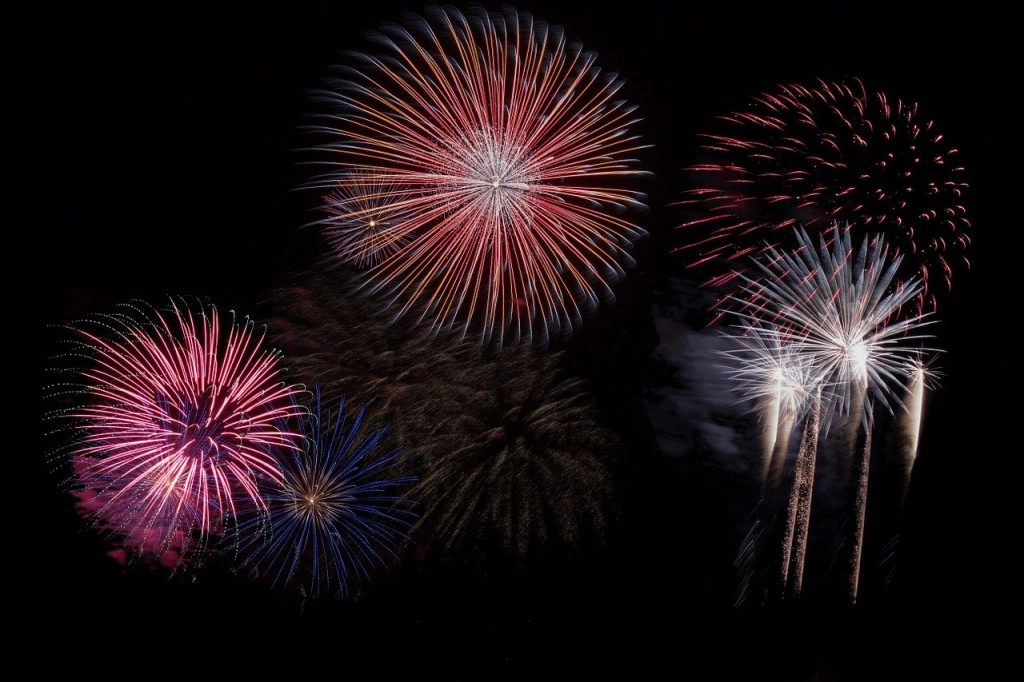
193, 426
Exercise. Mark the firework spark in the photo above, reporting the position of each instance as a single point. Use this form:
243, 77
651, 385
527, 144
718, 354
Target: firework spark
178, 419
511, 159
836, 307
835, 152
336, 515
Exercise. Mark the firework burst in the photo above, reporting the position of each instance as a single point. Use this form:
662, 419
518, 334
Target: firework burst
364, 211
509, 449
841, 305
510, 161
834, 152
179, 414
773, 372
336, 515
835, 308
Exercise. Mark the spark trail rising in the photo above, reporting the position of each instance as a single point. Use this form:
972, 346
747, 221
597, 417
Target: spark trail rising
512, 162
179, 414
838, 308
920, 381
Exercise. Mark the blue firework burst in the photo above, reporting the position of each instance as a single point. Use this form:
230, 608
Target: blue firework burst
338, 514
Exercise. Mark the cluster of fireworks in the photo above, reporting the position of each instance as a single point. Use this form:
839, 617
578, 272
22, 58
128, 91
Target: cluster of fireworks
479, 172
184, 439
823, 218
480, 178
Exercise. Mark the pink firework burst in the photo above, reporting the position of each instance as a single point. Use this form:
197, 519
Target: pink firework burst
812, 157
512, 160
177, 429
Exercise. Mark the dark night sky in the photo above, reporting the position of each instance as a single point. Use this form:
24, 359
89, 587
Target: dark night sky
156, 155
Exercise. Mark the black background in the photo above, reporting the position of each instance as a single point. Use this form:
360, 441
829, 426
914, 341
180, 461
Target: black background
155, 155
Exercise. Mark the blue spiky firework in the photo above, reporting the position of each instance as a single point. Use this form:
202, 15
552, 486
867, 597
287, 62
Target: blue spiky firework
337, 515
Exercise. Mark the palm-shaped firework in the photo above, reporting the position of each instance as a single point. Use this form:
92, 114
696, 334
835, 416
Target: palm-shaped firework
827, 313
336, 515
176, 419
506, 162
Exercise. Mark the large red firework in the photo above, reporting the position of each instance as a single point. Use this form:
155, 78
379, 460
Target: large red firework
178, 423
812, 157
510, 161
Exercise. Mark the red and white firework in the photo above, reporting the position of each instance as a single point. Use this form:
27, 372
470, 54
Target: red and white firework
512, 159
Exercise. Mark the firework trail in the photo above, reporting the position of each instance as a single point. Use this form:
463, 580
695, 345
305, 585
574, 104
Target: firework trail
798, 512
336, 514
921, 379
511, 163
838, 307
860, 511
177, 419
813, 156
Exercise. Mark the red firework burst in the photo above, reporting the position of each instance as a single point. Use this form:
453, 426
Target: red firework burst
178, 424
817, 156
510, 159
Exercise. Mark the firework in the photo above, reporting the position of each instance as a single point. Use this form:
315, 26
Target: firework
505, 447
812, 156
840, 305
140, 529
836, 306
177, 417
774, 373
511, 450
336, 514
922, 378
364, 211
510, 160
798, 509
